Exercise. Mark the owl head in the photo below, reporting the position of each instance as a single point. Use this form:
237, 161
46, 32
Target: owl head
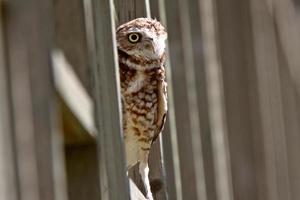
143, 38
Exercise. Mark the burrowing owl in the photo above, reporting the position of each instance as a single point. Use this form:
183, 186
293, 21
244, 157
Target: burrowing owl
141, 49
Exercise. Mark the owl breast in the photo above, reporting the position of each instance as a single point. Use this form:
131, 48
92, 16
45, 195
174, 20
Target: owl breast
139, 96
140, 105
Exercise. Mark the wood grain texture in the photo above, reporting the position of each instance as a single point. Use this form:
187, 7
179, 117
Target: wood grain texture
185, 59
130, 9
188, 182
216, 102
70, 37
170, 141
270, 102
8, 183
29, 33
286, 16
234, 25
114, 184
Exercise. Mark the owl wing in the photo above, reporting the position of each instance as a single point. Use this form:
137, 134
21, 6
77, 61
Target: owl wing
161, 108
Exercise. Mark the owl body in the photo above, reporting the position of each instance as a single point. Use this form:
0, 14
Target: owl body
141, 50
142, 94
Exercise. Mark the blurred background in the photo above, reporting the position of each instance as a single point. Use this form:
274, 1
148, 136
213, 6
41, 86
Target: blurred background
233, 126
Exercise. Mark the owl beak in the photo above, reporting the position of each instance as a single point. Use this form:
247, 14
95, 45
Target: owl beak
156, 46
149, 44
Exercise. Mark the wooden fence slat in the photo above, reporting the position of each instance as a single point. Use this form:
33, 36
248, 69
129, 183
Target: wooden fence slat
216, 100
189, 63
202, 98
8, 185
184, 56
170, 143
70, 37
270, 102
114, 184
236, 53
291, 105
286, 15
187, 184
39, 167
131, 9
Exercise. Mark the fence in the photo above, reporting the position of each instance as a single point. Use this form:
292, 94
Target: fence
232, 130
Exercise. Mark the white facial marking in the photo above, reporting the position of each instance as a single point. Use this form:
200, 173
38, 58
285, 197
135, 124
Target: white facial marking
160, 46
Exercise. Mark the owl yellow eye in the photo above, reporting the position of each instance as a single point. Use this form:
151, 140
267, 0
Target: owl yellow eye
134, 37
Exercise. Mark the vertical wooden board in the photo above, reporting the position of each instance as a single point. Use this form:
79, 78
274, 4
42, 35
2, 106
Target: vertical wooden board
157, 174
201, 91
114, 184
179, 95
291, 105
234, 27
286, 14
270, 102
172, 183
8, 184
154, 9
82, 172
169, 142
70, 37
130, 9
183, 67
29, 34
216, 103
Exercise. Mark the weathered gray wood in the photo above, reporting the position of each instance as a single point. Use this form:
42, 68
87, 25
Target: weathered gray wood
216, 104
114, 184
29, 34
157, 174
8, 184
270, 102
131, 9
188, 182
286, 15
291, 105
202, 98
182, 45
170, 144
236, 52
154, 9
70, 37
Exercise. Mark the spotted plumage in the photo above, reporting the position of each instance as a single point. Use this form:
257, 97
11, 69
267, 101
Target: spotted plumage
141, 49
